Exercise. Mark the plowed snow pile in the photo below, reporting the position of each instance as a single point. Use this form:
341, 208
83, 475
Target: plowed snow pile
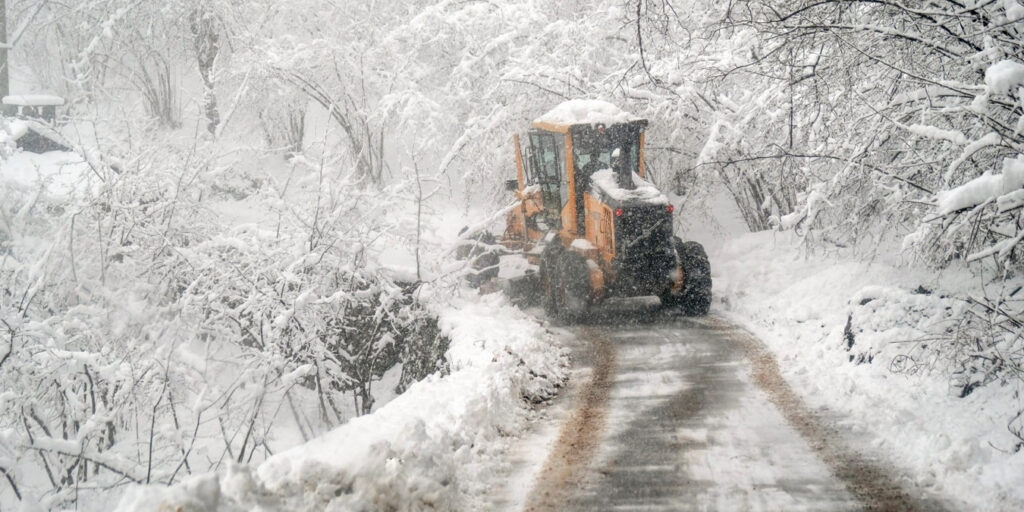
859, 339
428, 449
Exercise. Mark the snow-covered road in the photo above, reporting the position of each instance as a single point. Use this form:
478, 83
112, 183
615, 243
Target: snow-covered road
691, 414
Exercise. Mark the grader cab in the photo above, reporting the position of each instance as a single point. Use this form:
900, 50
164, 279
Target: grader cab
592, 222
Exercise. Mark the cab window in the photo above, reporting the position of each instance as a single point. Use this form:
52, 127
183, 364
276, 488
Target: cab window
601, 143
548, 169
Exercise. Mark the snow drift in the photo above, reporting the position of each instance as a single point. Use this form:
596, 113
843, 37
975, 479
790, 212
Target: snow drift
425, 450
867, 340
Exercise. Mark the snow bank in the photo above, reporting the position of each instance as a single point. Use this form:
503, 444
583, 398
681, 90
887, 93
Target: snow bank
849, 336
57, 174
604, 181
586, 112
984, 188
427, 449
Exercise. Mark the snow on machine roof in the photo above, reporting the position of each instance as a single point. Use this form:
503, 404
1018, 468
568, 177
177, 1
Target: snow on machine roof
33, 100
643, 191
577, 112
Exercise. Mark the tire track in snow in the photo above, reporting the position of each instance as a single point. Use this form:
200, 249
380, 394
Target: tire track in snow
568, 477
580, 435
872, 484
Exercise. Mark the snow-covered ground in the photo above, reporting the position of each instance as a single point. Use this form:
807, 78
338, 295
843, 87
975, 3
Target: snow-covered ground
444, 442
853, 337
432, 447
436, 445
56, 174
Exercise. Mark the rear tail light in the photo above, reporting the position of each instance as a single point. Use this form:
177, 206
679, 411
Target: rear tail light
670, 208
619, 212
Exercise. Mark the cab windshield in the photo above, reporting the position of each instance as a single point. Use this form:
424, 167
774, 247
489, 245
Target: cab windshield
596, 148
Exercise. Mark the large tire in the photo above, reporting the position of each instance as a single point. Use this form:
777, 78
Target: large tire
695, 297
549, 282
573, 287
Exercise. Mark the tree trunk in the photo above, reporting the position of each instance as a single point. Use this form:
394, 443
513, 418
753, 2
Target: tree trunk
4, 56
207, 45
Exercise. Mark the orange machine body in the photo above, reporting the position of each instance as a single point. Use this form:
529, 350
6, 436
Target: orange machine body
585, 219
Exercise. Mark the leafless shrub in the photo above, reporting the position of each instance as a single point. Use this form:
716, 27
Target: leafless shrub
283, 120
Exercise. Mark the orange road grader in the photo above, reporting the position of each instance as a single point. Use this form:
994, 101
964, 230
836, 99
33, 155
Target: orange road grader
589, 221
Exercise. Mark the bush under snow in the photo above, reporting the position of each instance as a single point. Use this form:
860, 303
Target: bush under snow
424, 450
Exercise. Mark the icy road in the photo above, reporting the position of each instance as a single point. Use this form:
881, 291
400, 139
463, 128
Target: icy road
670, 413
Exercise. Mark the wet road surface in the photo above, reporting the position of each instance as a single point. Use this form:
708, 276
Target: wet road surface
681, 413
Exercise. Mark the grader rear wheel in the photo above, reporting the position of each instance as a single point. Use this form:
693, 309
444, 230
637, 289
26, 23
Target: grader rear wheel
566, 282
574, 287
695, 297
549, 277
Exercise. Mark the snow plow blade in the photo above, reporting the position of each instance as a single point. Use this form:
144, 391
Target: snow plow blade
524, 290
